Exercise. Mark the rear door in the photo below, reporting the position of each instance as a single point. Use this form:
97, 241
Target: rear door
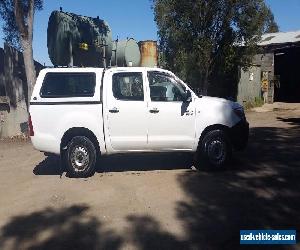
125, 110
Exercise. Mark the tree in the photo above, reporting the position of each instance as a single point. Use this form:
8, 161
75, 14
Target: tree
18, 17
204, 41
270, 24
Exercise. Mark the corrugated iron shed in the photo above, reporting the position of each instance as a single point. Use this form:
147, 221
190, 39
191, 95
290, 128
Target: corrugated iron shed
280, 38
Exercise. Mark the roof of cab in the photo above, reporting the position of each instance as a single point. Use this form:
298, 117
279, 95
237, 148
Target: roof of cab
92, 69
71, 69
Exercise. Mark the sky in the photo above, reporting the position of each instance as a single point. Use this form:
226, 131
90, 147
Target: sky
133, 18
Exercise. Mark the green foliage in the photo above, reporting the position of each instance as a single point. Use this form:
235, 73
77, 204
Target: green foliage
258, 102
270, 24
201, 39
9, 26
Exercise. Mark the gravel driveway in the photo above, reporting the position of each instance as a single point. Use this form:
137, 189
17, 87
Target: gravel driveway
154, 201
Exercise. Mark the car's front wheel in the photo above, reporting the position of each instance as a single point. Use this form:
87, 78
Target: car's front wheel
80, 157
214, 149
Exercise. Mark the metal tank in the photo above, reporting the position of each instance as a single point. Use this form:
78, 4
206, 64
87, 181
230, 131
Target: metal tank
149, 54
126, 53
75, 40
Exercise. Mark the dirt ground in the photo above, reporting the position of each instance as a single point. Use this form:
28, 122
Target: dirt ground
155, 201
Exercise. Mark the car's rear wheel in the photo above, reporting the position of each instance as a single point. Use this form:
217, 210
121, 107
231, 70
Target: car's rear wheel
214, 150
80, 157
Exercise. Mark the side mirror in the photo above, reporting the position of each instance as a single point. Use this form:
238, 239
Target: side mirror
187, 96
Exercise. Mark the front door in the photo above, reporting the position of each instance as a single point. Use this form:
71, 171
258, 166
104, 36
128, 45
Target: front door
171, 119
127, 111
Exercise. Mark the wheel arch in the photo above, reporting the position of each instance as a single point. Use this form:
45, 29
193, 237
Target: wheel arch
79, 131
211, 128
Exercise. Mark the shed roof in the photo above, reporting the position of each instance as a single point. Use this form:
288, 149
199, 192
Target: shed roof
280, 38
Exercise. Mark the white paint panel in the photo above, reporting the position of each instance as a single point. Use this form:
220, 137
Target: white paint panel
126, 130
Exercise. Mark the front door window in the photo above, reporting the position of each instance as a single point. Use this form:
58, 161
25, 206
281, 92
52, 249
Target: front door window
164, 88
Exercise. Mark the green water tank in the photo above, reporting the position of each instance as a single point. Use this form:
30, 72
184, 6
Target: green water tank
78, 40
126, 53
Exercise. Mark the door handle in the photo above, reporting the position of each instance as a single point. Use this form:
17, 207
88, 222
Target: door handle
114, 110
189, 113
154, 110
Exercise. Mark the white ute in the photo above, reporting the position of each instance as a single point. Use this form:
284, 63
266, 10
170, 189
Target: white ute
83, 113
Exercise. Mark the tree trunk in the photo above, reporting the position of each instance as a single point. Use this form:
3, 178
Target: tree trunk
29, 67
205, 83
204, 87
25, 27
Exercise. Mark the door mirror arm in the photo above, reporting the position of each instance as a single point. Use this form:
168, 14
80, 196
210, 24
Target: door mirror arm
187, 96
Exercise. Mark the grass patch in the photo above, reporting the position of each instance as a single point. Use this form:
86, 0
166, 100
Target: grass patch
258, 102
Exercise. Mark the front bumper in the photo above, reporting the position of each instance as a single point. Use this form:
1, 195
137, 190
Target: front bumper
239, 134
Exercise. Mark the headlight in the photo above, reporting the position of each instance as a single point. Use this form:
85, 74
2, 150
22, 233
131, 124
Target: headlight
240, 113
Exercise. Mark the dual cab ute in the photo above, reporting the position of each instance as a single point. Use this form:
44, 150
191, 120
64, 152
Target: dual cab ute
84, 113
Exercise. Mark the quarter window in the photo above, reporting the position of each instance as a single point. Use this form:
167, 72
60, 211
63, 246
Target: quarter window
68, 85
128, 86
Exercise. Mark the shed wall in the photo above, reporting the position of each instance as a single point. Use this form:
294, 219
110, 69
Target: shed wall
266, 62
249, 86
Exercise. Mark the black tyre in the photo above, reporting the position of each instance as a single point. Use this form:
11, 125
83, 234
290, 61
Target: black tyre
214, 150
80, 157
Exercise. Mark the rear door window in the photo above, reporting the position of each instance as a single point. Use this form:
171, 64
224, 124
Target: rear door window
68, 85
128, 86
